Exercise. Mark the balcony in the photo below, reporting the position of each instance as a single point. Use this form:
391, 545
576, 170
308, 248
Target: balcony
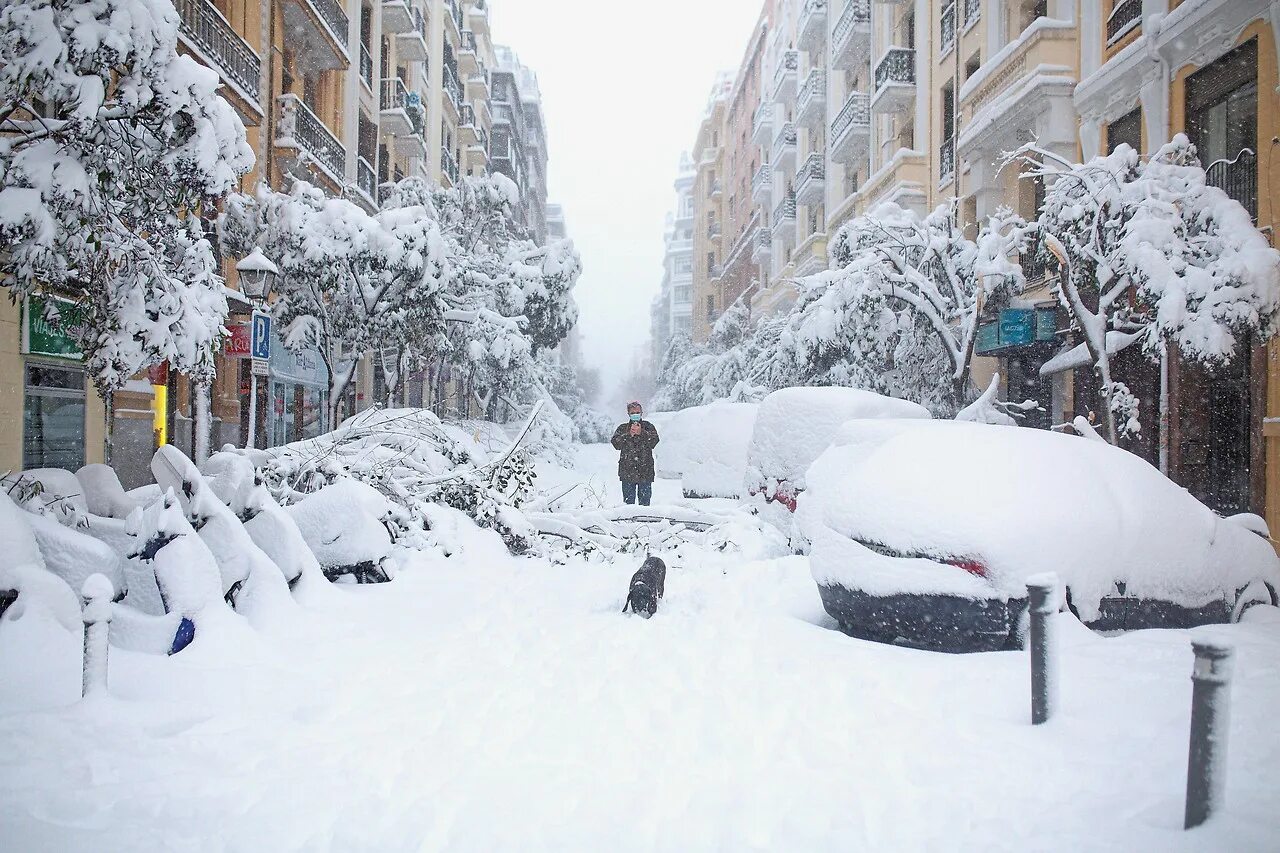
453, 12
762, 184
972, 12
468, 61
467, 127
811, 180
449, 166
811, 105
412, 44
366, 67
784, 219
206, 33
784, 79
851, 130
946, 162
367, 181
851, 38
762, 246
762, 124
1126, 16
717, 191
478, 16
784, 148
813, 26
327, 20
947, 26
397, 16
895, 81
478, 84
452, 87
713, 230
394, 105
300, 129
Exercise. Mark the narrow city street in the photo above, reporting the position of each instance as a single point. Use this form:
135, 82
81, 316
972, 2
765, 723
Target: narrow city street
488, 702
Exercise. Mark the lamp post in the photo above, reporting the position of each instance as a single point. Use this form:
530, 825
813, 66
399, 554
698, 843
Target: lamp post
257, 277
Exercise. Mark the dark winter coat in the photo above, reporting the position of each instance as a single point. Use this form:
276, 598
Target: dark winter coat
635, 459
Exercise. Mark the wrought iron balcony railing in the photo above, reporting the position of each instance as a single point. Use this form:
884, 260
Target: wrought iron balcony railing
948, 28
897, 66
946, 160
300, 124
366, 67
1238, 178
335, 18
855, 12
206, 29
856, 111
366, 178
972, 11
394, 95
1126, 15
786, 209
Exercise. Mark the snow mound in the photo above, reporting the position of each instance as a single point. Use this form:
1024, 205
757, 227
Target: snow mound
343, 525
103, 494
712, 445
23, 571
75, 556
795, 425
1019, 502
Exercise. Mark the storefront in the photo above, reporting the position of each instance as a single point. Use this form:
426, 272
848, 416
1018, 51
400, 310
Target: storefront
297, 395
55, 429
1023, 339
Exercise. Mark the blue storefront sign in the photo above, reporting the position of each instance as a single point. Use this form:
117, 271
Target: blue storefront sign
1016, 327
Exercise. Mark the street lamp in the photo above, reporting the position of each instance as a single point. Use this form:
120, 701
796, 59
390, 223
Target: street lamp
257, 277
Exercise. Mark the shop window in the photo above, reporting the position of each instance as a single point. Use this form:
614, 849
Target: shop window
53, 427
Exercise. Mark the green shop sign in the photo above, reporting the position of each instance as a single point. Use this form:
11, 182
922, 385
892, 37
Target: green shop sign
43, 337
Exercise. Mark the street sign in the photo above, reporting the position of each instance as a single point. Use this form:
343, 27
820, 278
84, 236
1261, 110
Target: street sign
260, 346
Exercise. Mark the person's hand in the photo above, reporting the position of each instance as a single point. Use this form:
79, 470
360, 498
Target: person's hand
635, 429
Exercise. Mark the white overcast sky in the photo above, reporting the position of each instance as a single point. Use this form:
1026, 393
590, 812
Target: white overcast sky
623, 85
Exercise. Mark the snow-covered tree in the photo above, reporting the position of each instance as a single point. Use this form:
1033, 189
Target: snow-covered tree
349, 282
902, 299
1148, 249
505, 297
111, 147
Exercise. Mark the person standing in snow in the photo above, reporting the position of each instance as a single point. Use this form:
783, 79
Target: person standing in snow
634, 442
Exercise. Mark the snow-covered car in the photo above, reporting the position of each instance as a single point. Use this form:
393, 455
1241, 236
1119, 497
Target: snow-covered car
795, 425
706, 447
925, 533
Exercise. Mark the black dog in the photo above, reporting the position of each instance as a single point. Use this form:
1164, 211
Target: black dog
647, 586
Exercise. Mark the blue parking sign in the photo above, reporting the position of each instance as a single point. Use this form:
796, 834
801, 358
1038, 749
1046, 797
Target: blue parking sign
260, 342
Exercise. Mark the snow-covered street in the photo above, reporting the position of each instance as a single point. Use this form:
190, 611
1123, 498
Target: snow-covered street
499, 703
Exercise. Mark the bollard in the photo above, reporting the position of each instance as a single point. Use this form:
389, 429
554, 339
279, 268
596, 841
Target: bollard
97, 592
1210, 712
1043, 604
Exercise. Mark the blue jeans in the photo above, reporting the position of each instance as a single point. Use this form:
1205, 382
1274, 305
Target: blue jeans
632, 491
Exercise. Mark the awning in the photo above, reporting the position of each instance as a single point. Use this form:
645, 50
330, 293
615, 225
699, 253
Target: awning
1078, 355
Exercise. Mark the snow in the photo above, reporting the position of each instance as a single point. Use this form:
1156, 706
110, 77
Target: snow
1020, 502
74, 556
1078, 356
103, 493
500, 703
706, 446
795, 425
342, 524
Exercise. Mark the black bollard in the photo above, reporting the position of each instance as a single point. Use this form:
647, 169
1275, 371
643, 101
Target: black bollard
1042, 597
1210, 722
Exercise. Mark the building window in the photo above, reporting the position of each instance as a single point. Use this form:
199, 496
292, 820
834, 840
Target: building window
711, 263
711, 307
1126, 130
53, 432
1222, 121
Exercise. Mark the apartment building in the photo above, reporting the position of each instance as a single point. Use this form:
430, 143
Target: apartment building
672, 309
709, 209
519, 142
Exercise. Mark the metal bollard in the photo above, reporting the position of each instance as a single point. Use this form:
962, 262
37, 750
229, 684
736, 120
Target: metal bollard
1042, 595
97, 593
1210, 722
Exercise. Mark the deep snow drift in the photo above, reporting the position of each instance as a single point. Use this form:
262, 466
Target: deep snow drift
495, 703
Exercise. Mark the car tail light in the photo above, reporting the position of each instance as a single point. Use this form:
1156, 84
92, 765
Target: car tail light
971, 566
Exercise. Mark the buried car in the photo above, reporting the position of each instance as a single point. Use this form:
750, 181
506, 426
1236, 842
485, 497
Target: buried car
794, 425
925, 532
